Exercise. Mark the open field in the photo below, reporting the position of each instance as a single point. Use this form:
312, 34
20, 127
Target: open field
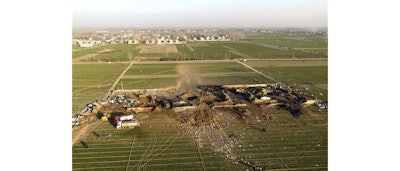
79, 51
157, 49
164, 75
284, 63
161, 143
152, 69
310, 74
119, 52
160, 75
262, 52
91, 81
313, 43
314, 78
298, 75
268, 137
150, 83
256, 45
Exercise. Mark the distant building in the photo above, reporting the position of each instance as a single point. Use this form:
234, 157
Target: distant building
85, 43
129, 41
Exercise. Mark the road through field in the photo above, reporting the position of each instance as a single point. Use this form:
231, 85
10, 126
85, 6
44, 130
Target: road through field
122, 74
266, 76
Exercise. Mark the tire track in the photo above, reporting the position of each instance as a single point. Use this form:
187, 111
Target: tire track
130, 152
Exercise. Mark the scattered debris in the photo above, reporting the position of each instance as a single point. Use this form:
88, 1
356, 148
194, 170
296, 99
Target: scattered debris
199, 110
322, 105
84, 145
250, 164
97, 135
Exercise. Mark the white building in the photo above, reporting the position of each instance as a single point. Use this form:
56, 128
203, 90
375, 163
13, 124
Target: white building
85, 43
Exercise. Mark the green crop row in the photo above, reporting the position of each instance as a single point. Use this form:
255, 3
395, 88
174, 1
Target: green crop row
91, 81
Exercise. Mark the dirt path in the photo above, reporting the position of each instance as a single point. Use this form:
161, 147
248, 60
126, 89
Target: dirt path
234, 51
240, 54
268, 46
151, 76
266, 76
89, 87
79, 59
120, 76
190, 48
78, 134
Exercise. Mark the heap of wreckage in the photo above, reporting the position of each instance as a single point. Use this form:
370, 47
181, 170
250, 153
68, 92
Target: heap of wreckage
198, 110
124, 102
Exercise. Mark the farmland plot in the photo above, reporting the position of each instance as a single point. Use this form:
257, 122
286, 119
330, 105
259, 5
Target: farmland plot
91, 81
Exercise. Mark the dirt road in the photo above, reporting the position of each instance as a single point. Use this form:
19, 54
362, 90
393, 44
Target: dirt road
266, 76
120, 76
77, 135
82, 58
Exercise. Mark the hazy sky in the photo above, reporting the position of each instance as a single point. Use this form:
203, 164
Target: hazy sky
199, 13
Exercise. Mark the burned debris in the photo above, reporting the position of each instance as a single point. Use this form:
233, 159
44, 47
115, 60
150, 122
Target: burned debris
206, 112
83, 143
322, 104
90, 107
96, 134
203, 99
250, 164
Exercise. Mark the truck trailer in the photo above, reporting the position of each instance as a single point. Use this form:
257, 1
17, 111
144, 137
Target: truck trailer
127, 124
123, 118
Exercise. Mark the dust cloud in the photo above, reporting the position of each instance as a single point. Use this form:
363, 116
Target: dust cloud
188, 80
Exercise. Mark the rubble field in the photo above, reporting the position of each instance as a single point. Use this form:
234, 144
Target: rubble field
233, 127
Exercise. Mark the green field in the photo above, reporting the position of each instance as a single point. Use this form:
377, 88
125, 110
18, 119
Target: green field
256, 45
285, 63
164, 144
147, 83
310, 74
214, 67
152, 69
261, 52
298, 75
85, 51
120, 52
91, 81
164, 75
313, 43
